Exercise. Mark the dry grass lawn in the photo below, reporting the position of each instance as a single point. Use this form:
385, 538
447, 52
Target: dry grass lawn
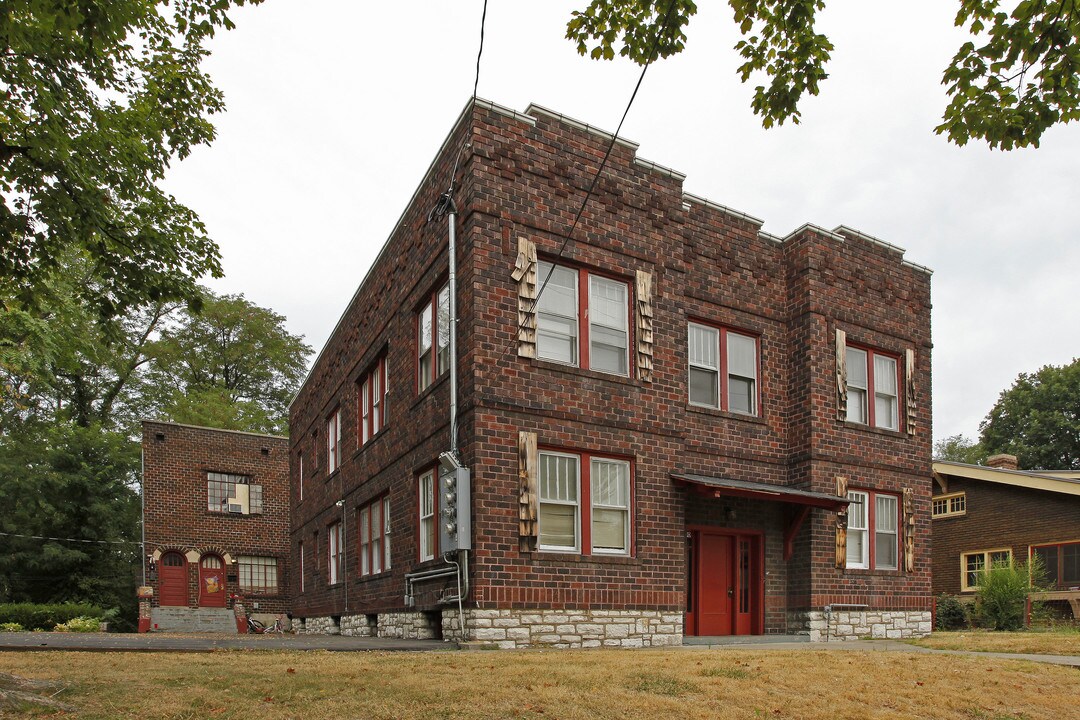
554, 684
1060, 642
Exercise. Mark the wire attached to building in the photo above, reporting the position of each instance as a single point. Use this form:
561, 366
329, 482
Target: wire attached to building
76, 540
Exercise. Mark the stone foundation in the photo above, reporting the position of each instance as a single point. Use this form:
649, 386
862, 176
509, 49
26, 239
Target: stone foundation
510, 629
868, 625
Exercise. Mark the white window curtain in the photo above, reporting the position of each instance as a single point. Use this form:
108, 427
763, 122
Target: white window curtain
704, 352
742, 373
558, 489
885, 393
610, 487
608, 321
858, 547
557, 314
856, 386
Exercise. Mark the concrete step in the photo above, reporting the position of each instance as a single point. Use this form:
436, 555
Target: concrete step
193, 620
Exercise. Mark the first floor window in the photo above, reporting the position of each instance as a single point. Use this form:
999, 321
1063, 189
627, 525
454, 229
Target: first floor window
584, 503
426, 489
334, 545
257, 574
949, 505
873, 538
1060, 563
872, 388
374, 528
300, 553
974, 564
723, 369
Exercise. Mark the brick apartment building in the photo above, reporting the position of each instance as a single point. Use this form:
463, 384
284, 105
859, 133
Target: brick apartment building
666, 418
216, 518
999, 513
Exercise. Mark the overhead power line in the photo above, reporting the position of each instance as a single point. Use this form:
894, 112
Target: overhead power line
74, 540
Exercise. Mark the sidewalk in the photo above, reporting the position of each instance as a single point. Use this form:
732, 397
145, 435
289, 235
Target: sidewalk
171, 642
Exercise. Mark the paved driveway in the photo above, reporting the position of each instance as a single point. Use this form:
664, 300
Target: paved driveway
155, 642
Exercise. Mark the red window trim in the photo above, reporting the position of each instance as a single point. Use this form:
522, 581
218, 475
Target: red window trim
373, 506
434, 470
722, 349
871, 410
584, 340
432, 301
871, 529
377, 368
1061, 560
585, 458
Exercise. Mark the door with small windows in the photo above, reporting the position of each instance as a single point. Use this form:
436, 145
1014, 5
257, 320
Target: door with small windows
173, 580
211, 581
724, 592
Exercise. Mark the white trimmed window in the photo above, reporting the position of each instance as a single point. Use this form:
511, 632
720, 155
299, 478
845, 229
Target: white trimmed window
868, 369
428, 537
373, 529
873, 530
386, 532
584, 504
974, 564
334, 544
944, 506
333, 441
590, 330
257, 574
715, 353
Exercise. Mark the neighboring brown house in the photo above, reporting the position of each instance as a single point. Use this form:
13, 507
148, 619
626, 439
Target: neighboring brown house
665, 416
999, 513
216, 518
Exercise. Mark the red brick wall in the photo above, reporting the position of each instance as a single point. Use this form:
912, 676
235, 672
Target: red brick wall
176, 460
1000, 516
525, 179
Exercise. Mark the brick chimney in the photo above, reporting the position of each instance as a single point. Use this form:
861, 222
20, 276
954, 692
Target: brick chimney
1002, 462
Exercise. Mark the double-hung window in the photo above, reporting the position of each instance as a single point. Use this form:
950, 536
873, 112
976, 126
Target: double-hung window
300, 554
428, 505
723, 369
873, 531
584, 504
333, 441
373, 392
974, 564
300, 472
374, 540
583, 319
433, 338
872, 388
334, 546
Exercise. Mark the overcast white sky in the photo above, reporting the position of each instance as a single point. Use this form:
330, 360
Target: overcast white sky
337, 107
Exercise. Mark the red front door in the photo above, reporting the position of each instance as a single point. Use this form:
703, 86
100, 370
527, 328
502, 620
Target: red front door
173, 580
716, 587
724, 590
211, 581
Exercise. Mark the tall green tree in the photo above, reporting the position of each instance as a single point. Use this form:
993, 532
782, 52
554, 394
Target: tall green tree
1017, 76
1038, 419
99, 96
959, 448
232, 365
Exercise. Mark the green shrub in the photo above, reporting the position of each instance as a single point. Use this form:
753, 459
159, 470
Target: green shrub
951, 613
11, 627
79, 625
1001, 599
31, 615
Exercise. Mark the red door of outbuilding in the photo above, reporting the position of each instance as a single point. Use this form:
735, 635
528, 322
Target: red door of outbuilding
211, 581
173, 580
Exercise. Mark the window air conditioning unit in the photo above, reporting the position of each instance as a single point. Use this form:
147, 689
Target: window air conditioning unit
236, 508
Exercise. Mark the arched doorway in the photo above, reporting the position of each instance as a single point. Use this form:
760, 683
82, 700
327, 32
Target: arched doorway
173, 580
211, 581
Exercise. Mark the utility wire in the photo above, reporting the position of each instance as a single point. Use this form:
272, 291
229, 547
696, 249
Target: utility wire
483, 21
76, 540
596, 177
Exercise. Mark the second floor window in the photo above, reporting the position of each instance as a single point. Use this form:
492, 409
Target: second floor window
873, 389
333, 441
723, 369
227, 493
590, 329
433, 339
373, 391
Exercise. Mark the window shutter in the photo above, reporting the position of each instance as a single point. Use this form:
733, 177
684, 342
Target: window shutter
525, 276
528, 462
644, 325
909, 530
841, 523
841, 374
909, 389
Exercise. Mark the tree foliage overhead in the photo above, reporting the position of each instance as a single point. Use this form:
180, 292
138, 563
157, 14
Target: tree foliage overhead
231, 365
1038, 419
1016, 77
99, 97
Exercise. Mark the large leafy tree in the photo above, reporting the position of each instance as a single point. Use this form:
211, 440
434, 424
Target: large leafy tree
1038, 419
98, 97
231, 365
1017, 76
959, 448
